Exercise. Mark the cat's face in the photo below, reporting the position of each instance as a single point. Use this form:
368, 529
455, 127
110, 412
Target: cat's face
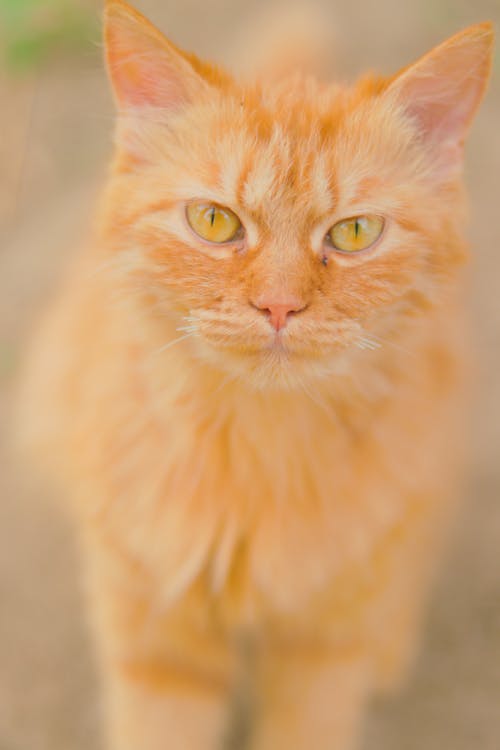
285, 228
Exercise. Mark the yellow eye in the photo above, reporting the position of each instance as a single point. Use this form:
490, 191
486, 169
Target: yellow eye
358, 233
212, 222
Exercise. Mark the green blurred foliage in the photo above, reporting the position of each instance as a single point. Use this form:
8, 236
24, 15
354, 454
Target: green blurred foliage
32, 30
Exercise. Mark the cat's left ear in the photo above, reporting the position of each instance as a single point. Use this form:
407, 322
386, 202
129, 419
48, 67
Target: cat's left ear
443, 90
145, 68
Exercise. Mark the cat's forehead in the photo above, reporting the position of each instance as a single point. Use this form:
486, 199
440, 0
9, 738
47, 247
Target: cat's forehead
295, 146
286, 154
282, 169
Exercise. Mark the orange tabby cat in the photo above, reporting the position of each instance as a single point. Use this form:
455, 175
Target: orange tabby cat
249, 388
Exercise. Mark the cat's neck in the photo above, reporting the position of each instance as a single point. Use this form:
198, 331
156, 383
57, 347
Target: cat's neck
181, 381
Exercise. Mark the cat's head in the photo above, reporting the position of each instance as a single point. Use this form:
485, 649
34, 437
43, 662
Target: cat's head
287, 226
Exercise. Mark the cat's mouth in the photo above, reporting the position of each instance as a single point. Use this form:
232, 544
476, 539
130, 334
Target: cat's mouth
289, 344
282, 348
279, 345
283, 359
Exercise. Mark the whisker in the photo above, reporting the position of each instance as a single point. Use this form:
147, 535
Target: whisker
230, 335
172, 343
366, 343
388, 342
190, 329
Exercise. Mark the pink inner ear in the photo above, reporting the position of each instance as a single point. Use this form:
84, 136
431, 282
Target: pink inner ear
145, 70
442, 90
442, 106
141, 80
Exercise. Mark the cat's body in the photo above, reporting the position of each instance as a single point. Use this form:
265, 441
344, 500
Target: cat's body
260, 507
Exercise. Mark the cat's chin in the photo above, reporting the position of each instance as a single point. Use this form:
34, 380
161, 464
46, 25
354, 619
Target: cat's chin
275, 368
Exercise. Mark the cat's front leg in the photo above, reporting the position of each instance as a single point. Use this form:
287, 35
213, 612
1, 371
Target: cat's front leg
152, 709
310, 699
167, 669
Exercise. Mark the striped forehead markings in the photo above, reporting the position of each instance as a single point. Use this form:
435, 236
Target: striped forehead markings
253, 173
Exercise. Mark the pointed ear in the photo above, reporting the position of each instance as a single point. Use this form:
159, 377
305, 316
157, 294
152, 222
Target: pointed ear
442, 91
147, 70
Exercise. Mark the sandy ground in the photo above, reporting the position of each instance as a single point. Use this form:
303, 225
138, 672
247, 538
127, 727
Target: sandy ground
55, 139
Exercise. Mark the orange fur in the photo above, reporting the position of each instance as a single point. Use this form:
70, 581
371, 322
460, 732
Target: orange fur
261, 511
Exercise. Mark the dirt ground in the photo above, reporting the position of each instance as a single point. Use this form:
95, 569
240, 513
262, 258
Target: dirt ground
56, 135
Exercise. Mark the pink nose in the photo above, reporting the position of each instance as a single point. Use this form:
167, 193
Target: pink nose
279, 310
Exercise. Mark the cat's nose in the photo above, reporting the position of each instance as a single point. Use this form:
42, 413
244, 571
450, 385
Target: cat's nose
279, 309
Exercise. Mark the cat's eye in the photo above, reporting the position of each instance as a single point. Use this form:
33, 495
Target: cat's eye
213, 223
355, 234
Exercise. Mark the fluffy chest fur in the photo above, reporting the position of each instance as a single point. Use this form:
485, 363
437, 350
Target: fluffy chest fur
268, 497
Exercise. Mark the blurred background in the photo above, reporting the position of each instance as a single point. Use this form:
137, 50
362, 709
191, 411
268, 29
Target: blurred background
55, 140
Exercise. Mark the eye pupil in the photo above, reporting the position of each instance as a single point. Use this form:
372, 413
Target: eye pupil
214, 223
356, 234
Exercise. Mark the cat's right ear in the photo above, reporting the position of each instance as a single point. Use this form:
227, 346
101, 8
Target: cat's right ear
147, 70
